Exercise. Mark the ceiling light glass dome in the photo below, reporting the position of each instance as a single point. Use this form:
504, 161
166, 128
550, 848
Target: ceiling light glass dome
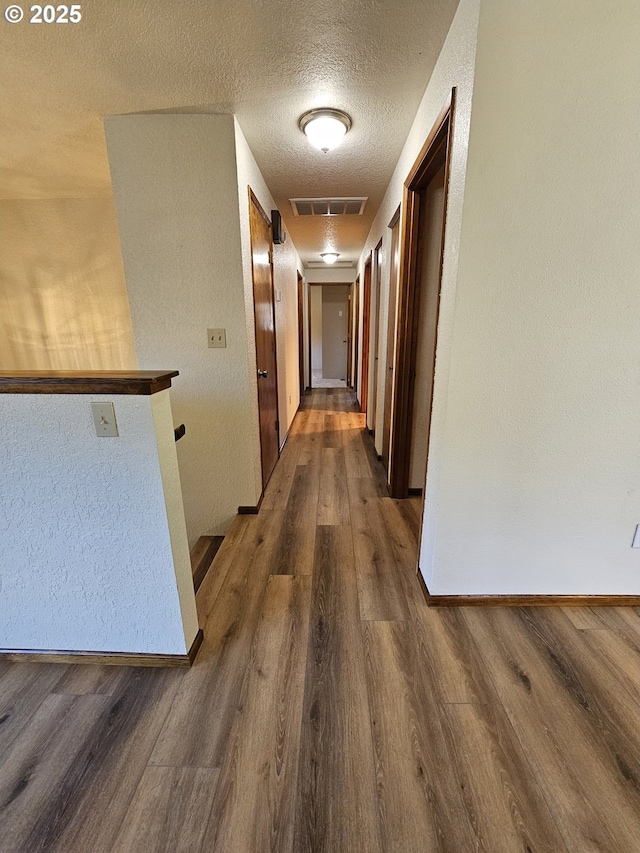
325, 129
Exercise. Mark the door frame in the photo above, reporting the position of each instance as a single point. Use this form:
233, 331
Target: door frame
391, 368
435, 151
366, 334
373, 374
355, 334
253, 199
301, 335
349, 337
311, 284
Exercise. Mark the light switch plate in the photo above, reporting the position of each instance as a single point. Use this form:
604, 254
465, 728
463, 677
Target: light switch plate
104, 418
217, 337
636, 538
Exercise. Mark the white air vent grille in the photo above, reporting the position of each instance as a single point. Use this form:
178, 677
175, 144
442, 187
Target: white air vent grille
328, 206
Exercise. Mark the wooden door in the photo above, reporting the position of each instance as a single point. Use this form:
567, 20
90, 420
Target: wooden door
262, 271
301, 335
375, 322
356, 330
366, 311
391, 334
350, 336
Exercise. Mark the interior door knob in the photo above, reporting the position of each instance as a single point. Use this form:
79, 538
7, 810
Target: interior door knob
263, 373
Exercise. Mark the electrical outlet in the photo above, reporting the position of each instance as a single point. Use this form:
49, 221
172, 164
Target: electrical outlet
217, 337
636, 537
104, 418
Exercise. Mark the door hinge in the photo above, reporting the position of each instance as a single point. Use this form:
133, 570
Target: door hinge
277, 426
271, 256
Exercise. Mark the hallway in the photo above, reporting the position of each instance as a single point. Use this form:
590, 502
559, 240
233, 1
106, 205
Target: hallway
329, 709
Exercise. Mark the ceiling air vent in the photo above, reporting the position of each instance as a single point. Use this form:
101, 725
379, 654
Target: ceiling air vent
328, 206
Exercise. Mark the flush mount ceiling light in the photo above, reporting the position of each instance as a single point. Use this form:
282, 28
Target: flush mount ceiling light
329, 257
325, 128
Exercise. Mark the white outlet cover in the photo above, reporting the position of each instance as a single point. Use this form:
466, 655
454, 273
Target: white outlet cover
636, 537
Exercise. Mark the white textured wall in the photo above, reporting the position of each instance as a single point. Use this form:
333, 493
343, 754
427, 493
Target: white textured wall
63, 298
286, 265
316, 328
537, 487
172, 488
330, 275
455, 67
86, 554
176, 192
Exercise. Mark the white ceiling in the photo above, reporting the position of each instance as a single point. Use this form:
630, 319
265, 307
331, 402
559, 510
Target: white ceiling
267, 62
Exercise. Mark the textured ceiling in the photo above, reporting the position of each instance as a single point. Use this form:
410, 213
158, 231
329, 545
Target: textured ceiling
267, 62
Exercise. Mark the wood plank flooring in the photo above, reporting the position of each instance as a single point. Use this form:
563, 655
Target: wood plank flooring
329, 709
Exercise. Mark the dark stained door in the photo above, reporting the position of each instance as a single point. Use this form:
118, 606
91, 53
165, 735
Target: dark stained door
366, 331
376, 337
262, 270
391, 335
301, 335
354, 324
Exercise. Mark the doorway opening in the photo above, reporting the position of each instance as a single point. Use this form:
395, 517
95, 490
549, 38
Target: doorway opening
394, 279
301, 367
424, 222
366, 334
372, 379
329, 334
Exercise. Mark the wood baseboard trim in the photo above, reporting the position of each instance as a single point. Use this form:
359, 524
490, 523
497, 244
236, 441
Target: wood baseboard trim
195, 646
104, 658
251, 510
202, 556
284, 441
527, 600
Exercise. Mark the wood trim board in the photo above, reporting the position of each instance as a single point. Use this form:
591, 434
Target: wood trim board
103, 658
140, 382
366, 334
202, 556
251, 510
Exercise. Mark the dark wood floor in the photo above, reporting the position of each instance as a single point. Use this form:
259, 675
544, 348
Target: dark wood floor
329, 708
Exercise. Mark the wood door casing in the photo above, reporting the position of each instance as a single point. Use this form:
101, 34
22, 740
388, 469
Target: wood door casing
355, 326
391, 335
435, 153
265, 331
377, 252
301, 335
366, 331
